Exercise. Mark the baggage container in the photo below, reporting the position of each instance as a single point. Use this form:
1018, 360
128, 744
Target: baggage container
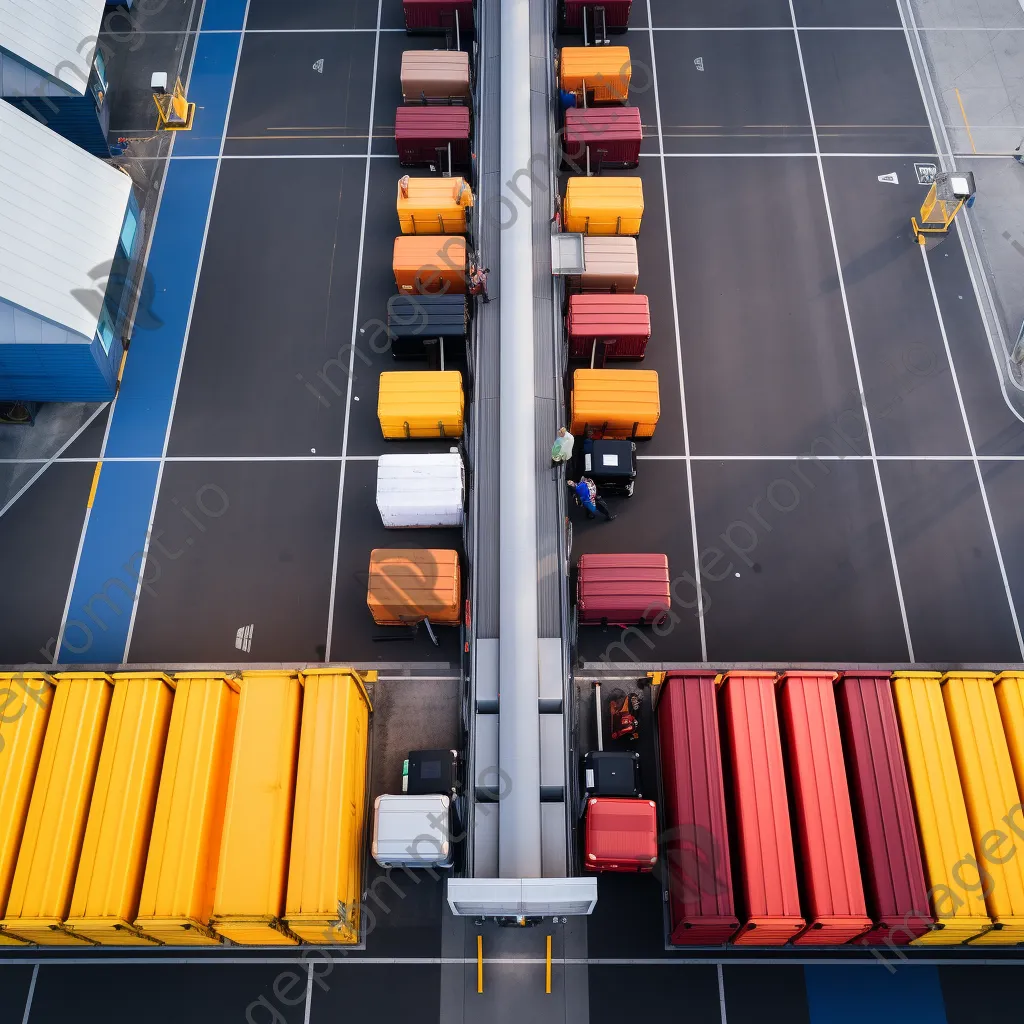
702, 907
768, 896
188, 823
608, 136
612, 773
598, 74
430, 264
51, 844
432, 16
432, 136
990, 790
611, 465
622, 590
325, 866
420, 403
941, 810
616, 13
412, 831
609, 265
418, 322
252, 872
408, 585
432, 771
833, 891
433, 77
26, 704
897, 897
1010, 695
615, 403
606, 327
108, 885
621, 835
433, 206
421, 490
603, 206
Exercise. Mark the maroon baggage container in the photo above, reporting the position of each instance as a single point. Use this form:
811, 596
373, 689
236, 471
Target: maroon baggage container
883, 810
619, 324
433, 16
423, 135
622, 590
611, 134
616, 13
702, 908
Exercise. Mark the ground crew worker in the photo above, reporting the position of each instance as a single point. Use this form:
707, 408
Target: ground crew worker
561, 450
586, 495
478, 281
403, 186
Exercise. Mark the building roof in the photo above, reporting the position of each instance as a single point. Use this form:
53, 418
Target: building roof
60, 221
56, 36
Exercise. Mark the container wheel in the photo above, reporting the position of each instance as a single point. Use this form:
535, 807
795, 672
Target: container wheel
629, 489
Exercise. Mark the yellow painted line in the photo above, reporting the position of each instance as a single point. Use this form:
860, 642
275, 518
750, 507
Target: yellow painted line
120, 369
479, 963
547, 978
966, 123
95, 484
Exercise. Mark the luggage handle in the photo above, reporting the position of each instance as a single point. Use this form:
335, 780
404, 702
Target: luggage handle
408, 432
440, 429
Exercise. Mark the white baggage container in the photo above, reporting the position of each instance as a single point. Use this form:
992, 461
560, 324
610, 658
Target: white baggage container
412, 831
421, 490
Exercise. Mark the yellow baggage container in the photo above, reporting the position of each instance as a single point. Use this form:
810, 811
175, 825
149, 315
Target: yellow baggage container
105, 902
615, 403
1010, 695
603, 206
253, 870
55, 827
986, 773
433, 206
27, 697
420, 403
324, 869
941, 809
181, 867
408, 585
604, 71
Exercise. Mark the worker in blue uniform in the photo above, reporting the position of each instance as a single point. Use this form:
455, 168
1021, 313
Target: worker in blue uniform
586, 494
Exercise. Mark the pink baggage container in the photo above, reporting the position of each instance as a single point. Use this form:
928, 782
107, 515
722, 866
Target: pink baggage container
611, 134
423, 136
623, 590
620, 325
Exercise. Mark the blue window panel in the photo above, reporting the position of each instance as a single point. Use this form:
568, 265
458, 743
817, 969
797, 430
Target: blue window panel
209, 89
128, 229
874, 992
225, 14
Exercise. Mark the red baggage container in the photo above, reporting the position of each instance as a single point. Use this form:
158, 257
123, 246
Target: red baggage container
621, 834
438, 16
612, 134
619, 324
768, 894
622, 590
616, 13
702, 911
423, 135
833, 892
883, 809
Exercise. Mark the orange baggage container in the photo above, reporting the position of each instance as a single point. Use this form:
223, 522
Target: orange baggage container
410, 584
615, 403
433, 206
430, 264
1010, 694
768, 894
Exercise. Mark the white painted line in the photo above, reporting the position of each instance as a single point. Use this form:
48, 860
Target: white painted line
853, 340
352, 344
679, 344
974, 454
721, 994
309, 994
832, 458
31, 994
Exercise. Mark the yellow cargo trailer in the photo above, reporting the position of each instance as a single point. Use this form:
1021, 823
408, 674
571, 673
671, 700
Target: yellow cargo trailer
27, 697
603, 71
1010, 695
324, 870
604, 206
253, 870
109, 881
44, 875
615, 403
420, 403
181, 867
433, 206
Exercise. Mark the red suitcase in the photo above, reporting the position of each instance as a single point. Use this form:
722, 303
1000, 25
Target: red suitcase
623, 590
424, 134
619, 324
616, 13
611, 134
438, 16
621, 834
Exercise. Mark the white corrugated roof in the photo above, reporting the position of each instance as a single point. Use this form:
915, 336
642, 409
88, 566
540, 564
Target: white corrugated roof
56, 36
61, 213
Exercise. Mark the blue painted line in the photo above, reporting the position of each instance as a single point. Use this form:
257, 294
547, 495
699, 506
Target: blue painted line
209, 88
224, 14
852, 995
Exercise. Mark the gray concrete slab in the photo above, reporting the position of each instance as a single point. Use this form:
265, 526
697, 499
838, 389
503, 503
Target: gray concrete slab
765, 995
323, 15
384, 992
687, 993
1003, 483
843, 14
714, 13
14, 992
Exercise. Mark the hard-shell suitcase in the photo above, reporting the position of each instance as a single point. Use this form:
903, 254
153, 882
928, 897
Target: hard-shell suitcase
615, 403
615, 18
622, 589
433, 206
429, 264
609, 265
604, 206
602, 71
611, 136
611, 773
611, 464
621, 835
433, 16
431, 771
408, 585
432, 136
416, 321
420, 403
435, 76
602, 327
426, 490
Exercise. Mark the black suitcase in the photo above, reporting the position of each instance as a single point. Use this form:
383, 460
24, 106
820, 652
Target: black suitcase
612, 773
432, 771
611, 464
416, 321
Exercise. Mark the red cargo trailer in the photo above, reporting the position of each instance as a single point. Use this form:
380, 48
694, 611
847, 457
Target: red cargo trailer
896, 890
612, 135
702, 911
621, 834
622, 590
769, 899
616, 13
432, 135
433, 16
833, 892
603, 327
